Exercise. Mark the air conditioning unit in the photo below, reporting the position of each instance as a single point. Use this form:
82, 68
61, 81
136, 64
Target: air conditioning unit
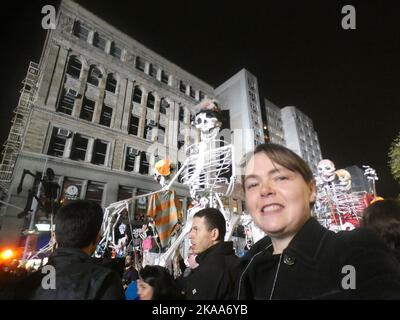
133, 152
72, 93
152, 123
63, 133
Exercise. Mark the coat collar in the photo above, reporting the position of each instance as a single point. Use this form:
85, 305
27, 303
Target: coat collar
306, 242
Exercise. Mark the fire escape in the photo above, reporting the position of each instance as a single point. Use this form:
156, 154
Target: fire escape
13, 144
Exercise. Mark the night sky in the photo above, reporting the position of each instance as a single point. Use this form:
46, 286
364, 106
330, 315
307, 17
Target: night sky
346, 81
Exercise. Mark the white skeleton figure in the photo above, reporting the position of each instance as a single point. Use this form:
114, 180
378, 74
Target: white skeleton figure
336, 207
344, 179
202, 171
372, 177
326, 170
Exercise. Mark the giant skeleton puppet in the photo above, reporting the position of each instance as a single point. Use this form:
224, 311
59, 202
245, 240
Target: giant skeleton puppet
202, 171
337, 207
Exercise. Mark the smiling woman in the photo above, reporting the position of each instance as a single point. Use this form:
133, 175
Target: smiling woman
300, 259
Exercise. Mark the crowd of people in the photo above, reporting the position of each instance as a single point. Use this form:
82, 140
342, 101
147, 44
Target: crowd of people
297, 259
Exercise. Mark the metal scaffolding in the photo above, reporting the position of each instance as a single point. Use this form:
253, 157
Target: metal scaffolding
13, 144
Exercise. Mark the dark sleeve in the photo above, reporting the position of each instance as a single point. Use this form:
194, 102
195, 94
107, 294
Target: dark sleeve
111, 288
377, 272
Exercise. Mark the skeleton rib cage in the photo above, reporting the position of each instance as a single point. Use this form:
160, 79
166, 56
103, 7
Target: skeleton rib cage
216, 163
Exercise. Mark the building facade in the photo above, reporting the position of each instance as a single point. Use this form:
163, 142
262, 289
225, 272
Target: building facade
292, 128
104, 110
240, 94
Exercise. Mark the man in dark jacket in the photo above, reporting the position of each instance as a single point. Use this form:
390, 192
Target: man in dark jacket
77, 276
214, 278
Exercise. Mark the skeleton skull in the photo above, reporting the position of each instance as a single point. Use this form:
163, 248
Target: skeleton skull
205, 121
344, 178
326, 170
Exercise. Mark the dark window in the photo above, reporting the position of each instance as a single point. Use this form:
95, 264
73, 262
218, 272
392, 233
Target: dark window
150, 100
133, 125
111, 84
137, 95
95, 192
79, 147
152, 71
67, 100
124, 193
164, 77
99, 152
140, 64
130, 157
87, 109
99, 41
164, 105
94, 76
192, 92
81, 31
201, 95
181, 114
144, 163
106, 115
57, 142
182, 87
115, 51
74, 67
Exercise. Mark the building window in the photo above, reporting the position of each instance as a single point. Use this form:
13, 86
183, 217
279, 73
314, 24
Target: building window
182, 87
164, 77
150, 101
111, 84
181, 142
140, 64
74, 67
192, 92
67, 100
161, 134
201, 95
164, 105
181, 114
79, 147
94, 76
94, 192
106, 115
87, 109
115, 51
57, 142
99, 42
130, 157
137, 95
81, 31
152, 71
133, 125
99, 152
124, 193
144, 163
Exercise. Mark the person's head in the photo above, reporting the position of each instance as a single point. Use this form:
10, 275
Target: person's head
77, 225
383, 217
279, 188
128, 260
156, 283
208, 228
